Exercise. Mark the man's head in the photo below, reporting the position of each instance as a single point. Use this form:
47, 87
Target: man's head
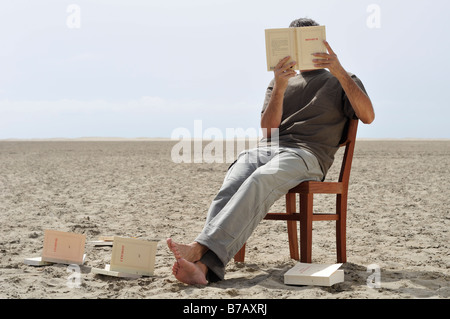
303, 22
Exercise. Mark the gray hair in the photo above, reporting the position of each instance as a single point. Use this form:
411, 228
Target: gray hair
303, 22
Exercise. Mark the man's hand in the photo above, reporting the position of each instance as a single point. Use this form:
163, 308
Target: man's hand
330, 61
358, 99
283, 73
271, 117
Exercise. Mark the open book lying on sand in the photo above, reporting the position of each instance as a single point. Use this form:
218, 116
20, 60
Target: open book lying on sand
60, 247
130, 258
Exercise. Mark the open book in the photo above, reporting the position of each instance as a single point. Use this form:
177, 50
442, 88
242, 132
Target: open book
63, 247
298, 43
60, 247
314, 274
130, 258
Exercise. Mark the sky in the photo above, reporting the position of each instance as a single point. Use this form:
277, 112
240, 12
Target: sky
133, 69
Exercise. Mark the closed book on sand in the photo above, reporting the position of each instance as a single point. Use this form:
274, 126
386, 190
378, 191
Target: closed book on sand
62, 247
37, 261
103, 241
314, 274
130, 258
100, 243
108, 272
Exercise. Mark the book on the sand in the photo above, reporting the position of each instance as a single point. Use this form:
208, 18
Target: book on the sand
314, 274
37, 261
298, 43
103, 241
100, 243
63, 247
108, 272
130, 257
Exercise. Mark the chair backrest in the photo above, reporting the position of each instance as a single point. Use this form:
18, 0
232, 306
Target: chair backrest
349, 144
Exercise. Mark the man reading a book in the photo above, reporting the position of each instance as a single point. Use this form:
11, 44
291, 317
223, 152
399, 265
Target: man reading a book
303, 119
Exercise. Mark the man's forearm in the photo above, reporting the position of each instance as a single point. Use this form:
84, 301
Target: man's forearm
271, 118
358, 99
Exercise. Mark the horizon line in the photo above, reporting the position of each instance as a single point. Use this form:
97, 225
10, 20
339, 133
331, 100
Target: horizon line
167, 139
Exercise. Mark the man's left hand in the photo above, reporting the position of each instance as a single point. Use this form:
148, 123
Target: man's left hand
329, 60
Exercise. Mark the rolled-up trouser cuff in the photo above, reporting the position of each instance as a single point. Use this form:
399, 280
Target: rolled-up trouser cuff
217, 240
216, 269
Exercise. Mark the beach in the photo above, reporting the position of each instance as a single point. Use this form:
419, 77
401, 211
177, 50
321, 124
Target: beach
398, 221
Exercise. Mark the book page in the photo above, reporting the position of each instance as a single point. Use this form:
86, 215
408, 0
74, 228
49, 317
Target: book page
309, 41
280, 43
63, 247
133, 256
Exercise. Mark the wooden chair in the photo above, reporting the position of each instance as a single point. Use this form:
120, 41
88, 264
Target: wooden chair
306, 216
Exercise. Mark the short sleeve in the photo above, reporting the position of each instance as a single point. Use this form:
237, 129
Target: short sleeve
347, 107
268, 95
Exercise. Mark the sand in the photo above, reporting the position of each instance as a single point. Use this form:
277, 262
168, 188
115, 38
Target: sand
398, 220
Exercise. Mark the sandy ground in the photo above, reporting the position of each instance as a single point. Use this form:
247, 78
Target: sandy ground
398, 220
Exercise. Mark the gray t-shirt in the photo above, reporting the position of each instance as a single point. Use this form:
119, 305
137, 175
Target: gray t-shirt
315, 112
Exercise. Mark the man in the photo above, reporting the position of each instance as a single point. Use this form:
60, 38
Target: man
303, 119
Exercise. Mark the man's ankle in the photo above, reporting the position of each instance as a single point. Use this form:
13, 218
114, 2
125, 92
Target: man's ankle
200, 249
202, 267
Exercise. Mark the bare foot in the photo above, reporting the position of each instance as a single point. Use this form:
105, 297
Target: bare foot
190, 273
190, 252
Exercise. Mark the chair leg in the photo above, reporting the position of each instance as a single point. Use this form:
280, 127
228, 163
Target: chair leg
240, 255
341, 208
292, 227
306, 219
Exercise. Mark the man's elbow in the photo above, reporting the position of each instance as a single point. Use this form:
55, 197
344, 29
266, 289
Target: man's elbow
368, 114
266, 132
368, 119
268, 127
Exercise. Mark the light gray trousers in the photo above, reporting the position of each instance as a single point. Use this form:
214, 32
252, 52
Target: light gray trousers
257, 179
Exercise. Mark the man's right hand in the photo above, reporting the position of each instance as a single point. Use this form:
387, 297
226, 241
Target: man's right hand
271, 117
283, 72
